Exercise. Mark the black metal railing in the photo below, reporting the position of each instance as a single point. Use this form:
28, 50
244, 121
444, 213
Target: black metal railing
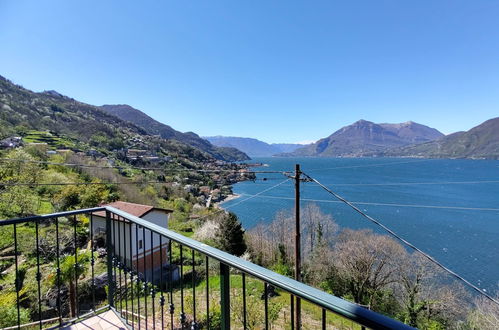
153, 278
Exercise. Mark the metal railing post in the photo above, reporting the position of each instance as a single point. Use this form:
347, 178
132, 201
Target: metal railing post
110, 282
225, 296
297, 243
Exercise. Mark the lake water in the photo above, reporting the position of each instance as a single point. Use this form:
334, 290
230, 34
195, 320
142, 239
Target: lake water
448, 208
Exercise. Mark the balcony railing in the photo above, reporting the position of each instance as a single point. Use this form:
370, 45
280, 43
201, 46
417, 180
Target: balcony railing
83, 263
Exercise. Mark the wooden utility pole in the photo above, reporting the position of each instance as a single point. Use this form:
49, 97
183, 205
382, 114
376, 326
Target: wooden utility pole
297, 243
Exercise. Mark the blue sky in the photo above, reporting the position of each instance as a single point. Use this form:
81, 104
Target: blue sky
280, 71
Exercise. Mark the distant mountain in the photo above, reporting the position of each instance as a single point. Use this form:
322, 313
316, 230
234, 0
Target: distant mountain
154, 127
253, 147
481, 141
367, 138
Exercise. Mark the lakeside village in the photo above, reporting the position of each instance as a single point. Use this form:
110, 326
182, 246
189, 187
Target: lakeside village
138, 155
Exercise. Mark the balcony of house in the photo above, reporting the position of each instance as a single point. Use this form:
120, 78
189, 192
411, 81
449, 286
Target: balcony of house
105, 268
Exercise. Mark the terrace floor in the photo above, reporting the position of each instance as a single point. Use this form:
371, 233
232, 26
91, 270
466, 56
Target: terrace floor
104, 321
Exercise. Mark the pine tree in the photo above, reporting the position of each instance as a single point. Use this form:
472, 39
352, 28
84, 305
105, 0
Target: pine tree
230, 235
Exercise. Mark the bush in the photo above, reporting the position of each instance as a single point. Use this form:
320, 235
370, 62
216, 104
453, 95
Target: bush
8, 316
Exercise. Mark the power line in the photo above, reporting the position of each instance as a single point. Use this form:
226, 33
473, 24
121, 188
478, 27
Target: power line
415, 183
383, 204
258, 194
224, 209
8, 184
138, 168
412, 246
411, 183
369, 165
76, 183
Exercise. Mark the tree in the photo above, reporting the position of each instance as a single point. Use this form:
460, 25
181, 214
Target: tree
70, 271
423, 296
485, 315
417, 280
18, 198
268, 242
367, 262
230, 235
317, 227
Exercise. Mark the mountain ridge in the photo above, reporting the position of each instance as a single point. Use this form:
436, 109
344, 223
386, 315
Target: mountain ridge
154, 127
251, 146
481, 141
365, 137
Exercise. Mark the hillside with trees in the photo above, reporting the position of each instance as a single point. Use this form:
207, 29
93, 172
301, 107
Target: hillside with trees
481, 142
22, 110
154, 127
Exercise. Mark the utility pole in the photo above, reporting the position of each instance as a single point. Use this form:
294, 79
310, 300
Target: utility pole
297, 243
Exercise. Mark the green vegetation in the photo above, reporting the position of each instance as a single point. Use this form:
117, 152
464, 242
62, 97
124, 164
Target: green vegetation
27, 177
230, 235
53, 140
63, 122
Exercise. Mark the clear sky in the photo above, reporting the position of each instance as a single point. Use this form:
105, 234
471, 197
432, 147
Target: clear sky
280, 71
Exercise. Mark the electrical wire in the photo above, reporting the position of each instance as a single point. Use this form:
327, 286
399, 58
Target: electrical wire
404, 241
139, 168
383, 204
35, 184
410, 183
9, 184
225, 208
370, 165
415, 183
258, 194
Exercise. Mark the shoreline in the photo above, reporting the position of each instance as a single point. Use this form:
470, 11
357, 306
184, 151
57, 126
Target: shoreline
227, 199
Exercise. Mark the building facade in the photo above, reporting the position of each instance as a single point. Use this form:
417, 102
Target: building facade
135, 245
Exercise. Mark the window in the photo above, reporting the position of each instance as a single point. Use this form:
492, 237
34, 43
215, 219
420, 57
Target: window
140, 244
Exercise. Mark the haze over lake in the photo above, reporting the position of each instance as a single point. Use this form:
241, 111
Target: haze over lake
448, 208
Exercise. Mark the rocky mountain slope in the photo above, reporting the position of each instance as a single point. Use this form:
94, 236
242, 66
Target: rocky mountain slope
154, 127
253, 147
367, 138
481, 141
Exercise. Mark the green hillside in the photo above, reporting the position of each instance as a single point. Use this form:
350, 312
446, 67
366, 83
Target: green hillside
480, 142
23, 111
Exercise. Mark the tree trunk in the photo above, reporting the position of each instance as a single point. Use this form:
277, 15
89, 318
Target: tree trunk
72, 298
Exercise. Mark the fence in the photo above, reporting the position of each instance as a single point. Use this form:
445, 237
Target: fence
152, 277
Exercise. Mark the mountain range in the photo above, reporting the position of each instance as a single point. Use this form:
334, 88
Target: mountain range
364, 137
154, 127
111, 127
481, 141
253, 147
107, 128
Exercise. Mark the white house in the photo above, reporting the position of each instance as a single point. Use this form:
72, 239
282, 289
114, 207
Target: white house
132, 243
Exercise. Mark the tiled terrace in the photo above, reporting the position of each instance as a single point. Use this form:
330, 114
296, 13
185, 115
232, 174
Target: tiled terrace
104, 321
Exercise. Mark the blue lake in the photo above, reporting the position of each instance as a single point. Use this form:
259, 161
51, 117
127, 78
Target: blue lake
448, 208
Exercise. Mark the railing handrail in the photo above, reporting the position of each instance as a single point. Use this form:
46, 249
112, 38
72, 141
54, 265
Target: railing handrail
50, 216
332, 303
325, 300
